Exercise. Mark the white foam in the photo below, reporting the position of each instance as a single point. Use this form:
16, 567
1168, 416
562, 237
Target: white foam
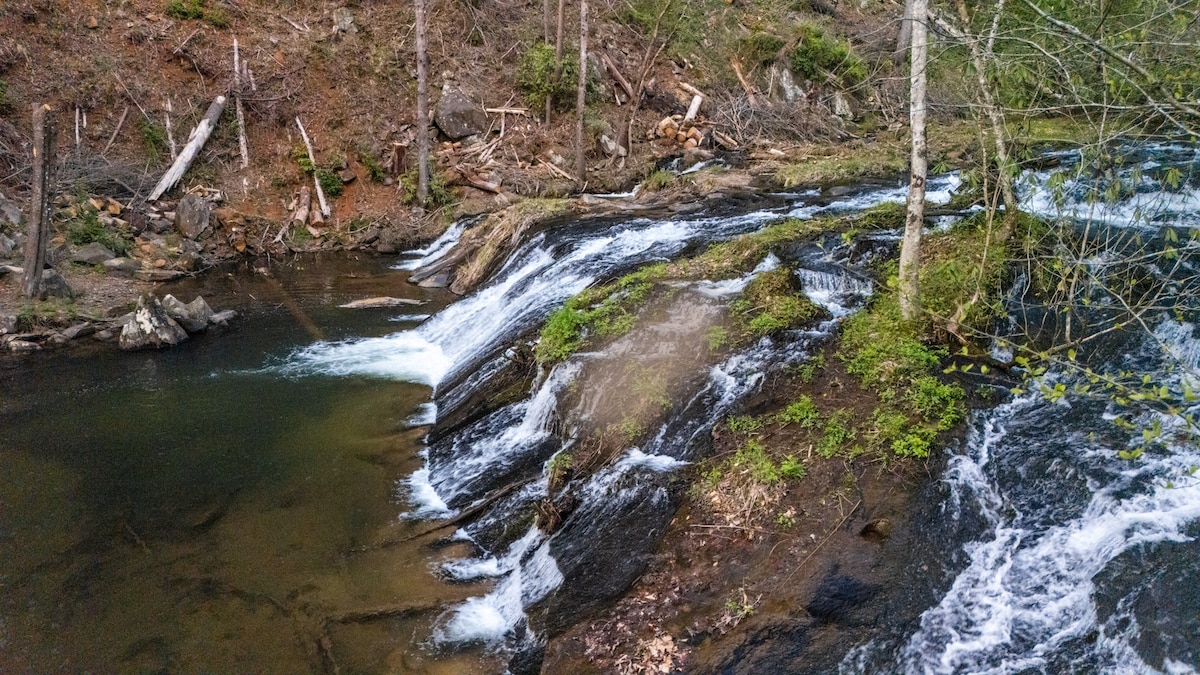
425, 415
406, 356
635, 458
491, 619
438, 248
425, 500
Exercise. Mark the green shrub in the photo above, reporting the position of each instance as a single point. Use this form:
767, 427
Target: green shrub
374, 168
331, 183
937, 402
772, 302
535, 77
818, 57
753, 457
803, 412
440, 194
86, 228
197, 9
745, 424
838, 432
659, 180
760, 48
792, 468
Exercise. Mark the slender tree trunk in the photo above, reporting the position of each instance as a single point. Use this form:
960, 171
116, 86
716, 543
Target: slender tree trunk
910, 247
422, 121
581, 97
904, 39
39, 223
995, 115
547, 27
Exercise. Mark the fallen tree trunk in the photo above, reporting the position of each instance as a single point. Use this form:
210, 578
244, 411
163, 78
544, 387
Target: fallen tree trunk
316, 179
196, 141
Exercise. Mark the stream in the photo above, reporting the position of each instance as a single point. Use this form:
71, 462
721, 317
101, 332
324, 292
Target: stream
246, 502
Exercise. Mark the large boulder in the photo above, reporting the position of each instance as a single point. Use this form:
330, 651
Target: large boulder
150, 327
54, 285
192, 216
457, 115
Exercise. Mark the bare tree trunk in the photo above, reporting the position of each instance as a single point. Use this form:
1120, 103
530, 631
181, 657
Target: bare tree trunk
237, 105
39, 223
581, 97
196, 141
910, 247
904, 39
422, 122
547, 27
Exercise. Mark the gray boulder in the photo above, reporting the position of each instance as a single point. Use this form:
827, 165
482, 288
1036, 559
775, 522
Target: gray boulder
123, 266
92, 254
54, 286
8, 324
150, 327
458, 116
10, 212
7, 246
194, 316
192, 216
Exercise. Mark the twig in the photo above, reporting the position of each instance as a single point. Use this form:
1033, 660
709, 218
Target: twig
737, 70
302, 29
120, 123
178, 50
833, 530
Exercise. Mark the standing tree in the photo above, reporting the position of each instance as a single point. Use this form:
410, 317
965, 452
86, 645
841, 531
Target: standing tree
910, 248
581, 97
422, 121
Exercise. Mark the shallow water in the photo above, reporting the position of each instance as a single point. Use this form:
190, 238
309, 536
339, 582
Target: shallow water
189, 511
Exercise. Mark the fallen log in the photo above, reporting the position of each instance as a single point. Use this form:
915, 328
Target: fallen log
616, 74
316, 181
196, 141
737, 70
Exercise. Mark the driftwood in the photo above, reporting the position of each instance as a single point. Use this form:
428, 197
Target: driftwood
39, 223
196, 141
237, 104
474, 180
558, 171
316, 181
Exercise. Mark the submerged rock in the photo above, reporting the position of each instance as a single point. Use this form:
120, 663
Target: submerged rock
151, 327
372, 303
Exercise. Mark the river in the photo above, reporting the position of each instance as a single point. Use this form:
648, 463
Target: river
242, 503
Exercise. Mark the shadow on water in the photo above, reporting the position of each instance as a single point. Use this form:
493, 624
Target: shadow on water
191, 511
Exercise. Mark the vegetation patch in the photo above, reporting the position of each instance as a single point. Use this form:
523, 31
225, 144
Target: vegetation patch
772, 302
536, 78
198, 9
822, 58
86, 228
